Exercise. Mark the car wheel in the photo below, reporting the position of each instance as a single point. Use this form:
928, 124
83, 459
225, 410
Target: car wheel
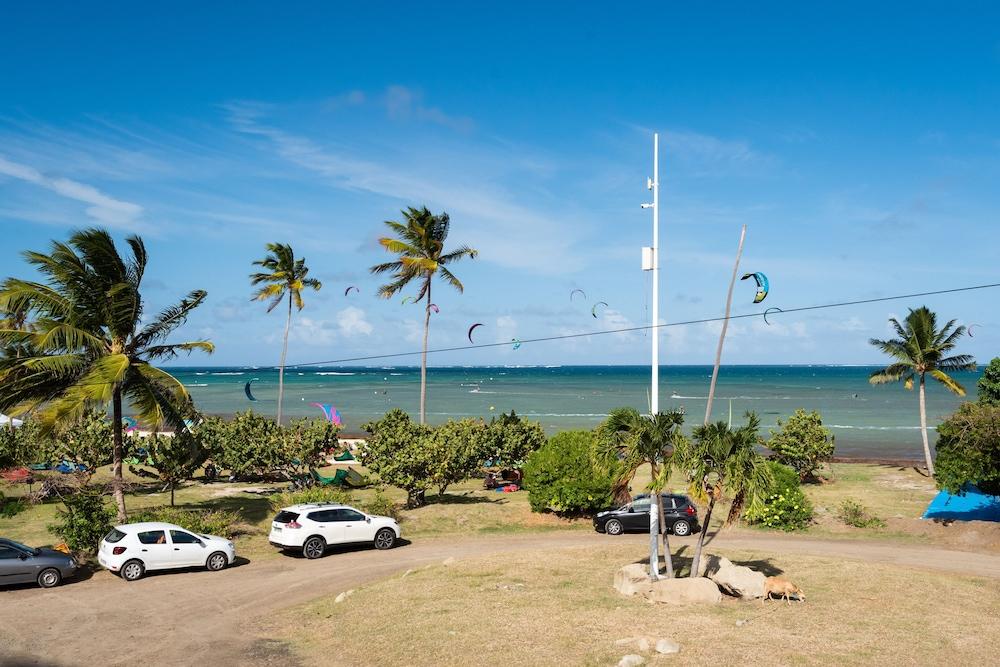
614, 527
681, 528
314, 547
217, 561
385, 538
132, 570
49, 578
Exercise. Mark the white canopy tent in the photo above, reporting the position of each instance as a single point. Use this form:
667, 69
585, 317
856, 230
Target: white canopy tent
4, 420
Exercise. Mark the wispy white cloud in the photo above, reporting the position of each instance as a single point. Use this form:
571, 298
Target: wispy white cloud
403, 103
101, 207
352, 321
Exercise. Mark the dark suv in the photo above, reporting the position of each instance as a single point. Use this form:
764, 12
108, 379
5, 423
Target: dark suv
679, 514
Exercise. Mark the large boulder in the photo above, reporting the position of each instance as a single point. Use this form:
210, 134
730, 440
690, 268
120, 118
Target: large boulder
633, 579
685, 591
733, 579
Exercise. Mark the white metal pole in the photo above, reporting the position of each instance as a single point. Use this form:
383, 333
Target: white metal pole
655, 391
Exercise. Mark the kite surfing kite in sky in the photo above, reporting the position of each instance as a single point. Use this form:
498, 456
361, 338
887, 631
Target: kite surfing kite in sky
477, 324
434, 308
762, 285
768, 311
352, 287
331, 413
574, 292
246, 388
969, 329
593, 311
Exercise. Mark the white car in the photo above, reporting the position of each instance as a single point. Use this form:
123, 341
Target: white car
313, 526
133, 549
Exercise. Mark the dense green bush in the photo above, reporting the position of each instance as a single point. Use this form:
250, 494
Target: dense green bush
968, 449
566, 476
802, 443
174, 458
202, 522
857, 515
989, 384
785, 507
456, 451
397, 452
510, 440
84, 521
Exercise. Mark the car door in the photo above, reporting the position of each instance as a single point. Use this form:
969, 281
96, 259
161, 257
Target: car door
638, 516
154, 551
187, 550
356, 525
327, 525
14, 566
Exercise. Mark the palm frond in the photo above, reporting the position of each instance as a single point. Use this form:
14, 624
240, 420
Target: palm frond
949, 382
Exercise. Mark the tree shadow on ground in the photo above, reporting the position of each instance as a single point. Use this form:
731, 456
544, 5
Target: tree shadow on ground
466, 498
682, 563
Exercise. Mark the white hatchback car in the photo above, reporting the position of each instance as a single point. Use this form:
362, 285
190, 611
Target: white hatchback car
135, 548
313, 526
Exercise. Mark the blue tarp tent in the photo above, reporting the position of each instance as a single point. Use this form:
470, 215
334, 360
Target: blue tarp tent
973, 506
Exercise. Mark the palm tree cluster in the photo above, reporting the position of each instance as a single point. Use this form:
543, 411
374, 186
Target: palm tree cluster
83, 342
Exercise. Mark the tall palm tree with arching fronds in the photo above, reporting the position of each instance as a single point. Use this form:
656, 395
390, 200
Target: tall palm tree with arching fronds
639, 440
85, 344
722, 461
922, 350
283, 275
420, 246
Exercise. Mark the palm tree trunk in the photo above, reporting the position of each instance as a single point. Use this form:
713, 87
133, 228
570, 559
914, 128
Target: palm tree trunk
725, 325
696, 561
284, 352
654, 537
667, 558
423, 358
923, 428
116, 455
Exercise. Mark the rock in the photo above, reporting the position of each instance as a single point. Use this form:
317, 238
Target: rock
349, 593
741, 622
643, 644
733, 579
632, 579
688, 590
406, 574
448, 561
666, 646
631, 660
340, 598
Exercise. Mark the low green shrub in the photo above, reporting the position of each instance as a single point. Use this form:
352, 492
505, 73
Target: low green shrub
85, 520
785, 506
566, 476
382, 505
379, 503
855, 514
203, 522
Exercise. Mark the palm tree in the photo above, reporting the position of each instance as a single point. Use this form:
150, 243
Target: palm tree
283, 275
719, 461
919, 351
420, 246
638, 440
86, 345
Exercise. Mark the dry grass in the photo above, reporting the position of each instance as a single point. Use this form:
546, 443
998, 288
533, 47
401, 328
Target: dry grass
558, 607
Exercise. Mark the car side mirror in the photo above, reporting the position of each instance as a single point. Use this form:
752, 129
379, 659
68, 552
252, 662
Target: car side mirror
368, 519
201, 543
23, 556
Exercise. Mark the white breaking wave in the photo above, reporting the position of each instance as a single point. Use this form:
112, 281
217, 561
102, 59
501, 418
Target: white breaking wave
197, 384
878, 428
332, 373
226, 373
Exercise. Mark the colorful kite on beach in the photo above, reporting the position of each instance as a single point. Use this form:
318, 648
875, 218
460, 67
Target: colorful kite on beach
130, 424
434, 308
762, 285
246, 388
768, 311
332, 414
517, 343
408, 299
593, 311
969, 329
352, 287
469, 334
577, 291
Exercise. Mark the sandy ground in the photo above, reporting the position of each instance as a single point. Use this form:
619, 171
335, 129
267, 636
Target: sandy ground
183, 618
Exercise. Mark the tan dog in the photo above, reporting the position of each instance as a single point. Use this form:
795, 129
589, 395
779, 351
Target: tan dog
783, 589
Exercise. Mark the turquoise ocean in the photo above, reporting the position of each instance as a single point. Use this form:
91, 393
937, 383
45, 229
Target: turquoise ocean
867, 421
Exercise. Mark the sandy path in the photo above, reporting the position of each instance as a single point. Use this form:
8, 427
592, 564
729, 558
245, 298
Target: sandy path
181, 618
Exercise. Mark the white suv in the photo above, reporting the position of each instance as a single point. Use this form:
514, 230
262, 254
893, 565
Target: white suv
132, 549
312, 526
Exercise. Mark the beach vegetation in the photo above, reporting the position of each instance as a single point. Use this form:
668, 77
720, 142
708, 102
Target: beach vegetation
803, 443
785, 506
567, 475
511, 439
720, 461
419, 243
988, 385
174, 459
83, 520
456, 451
221, 523
397, 452
968, 449
377, 502
922, 349
853, 513
637, 440
282, 276
86, 341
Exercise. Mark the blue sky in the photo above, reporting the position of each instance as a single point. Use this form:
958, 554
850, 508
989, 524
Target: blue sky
859, 143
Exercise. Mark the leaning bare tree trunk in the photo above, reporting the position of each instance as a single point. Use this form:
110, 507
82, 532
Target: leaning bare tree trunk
668, 560
696, 561
923, 429
116, 455
284, 352
725, 325
423, 358
654, 526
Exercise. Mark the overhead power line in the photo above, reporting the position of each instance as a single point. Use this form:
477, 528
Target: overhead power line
543, 339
